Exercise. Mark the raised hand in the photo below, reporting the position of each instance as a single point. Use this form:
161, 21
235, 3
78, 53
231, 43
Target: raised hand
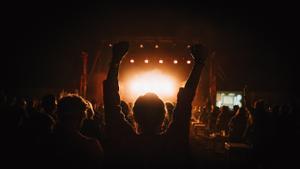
199, 53
119, 50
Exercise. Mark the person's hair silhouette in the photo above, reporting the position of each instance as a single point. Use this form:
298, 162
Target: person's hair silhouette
71, 110
70, 148
149, 113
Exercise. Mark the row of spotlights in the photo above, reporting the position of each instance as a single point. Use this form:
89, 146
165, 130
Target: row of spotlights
142, 46
161, 61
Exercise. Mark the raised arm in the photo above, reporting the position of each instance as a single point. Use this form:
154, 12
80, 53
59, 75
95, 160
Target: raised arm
182, 112
199, 54
114, 119
119, 50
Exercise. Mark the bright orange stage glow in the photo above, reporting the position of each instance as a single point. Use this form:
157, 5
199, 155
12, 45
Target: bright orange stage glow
154, 81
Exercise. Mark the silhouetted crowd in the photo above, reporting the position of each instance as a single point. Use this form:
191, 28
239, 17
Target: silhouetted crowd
71, 132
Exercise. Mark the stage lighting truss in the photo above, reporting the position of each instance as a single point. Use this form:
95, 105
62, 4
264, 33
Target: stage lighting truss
161, 61
141, 44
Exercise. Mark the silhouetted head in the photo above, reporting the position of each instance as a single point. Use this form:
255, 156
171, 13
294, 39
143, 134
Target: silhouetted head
224, 109
49, 103
149, 113
71, 110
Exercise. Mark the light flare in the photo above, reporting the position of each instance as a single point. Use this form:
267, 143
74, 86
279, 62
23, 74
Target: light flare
154, 81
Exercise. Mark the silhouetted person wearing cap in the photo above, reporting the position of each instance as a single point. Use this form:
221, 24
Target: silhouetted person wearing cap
148, 147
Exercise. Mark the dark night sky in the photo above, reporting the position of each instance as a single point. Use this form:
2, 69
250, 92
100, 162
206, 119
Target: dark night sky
255, 44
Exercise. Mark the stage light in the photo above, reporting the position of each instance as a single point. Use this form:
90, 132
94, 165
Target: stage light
141, 46
110, 45
175, 61
154, 81
131, 60
188, 46
188, 62
161, 61
156, 46
146, 61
